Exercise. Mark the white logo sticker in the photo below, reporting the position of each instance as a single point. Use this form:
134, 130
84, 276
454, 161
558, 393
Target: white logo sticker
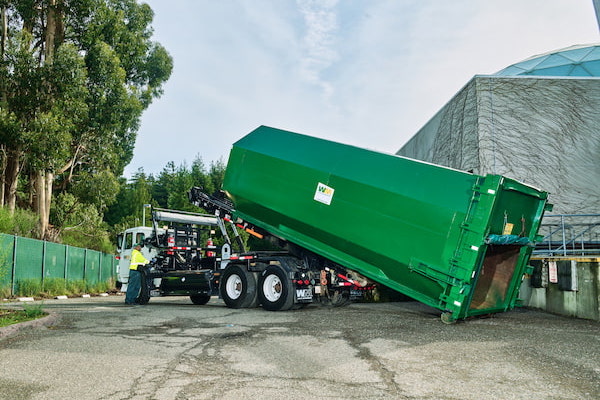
324, 194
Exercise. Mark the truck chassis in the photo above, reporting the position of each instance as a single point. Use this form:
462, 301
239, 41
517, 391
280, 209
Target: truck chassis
275, 280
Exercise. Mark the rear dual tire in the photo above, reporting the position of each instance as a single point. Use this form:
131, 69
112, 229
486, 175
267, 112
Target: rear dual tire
275, 292
238, 287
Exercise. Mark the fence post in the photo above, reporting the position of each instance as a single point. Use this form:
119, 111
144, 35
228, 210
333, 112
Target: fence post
85, 264
66, 262
99, 267
43, 263
14, 266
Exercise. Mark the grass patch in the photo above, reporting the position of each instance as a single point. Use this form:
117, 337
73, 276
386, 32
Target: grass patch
54, 287
101, 287
28, 313
28, 287
76, 288
5, 291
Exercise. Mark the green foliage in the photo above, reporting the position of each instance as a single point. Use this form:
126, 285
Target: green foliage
90, 239
54, 287
81, 224
168, 190
98, 189
5, 291
76, 287
33, 311
28, 287
101, 287
70, 107
70, 110
29, 312
128, 207
21, 222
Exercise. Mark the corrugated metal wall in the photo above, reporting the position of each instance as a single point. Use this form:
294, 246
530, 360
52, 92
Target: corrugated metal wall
23, 258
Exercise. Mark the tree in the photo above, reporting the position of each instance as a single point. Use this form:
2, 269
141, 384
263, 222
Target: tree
75, 77
217, 174
127, 210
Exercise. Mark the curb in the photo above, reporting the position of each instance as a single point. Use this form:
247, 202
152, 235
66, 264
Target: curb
13, 329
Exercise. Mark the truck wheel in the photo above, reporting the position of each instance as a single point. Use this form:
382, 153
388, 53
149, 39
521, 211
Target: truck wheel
340, 298
275, 291
200, 299
238, 287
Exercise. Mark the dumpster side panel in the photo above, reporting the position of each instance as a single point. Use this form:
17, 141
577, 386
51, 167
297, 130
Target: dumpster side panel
384, 211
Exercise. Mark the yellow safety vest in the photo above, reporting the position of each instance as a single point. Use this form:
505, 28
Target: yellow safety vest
137, 258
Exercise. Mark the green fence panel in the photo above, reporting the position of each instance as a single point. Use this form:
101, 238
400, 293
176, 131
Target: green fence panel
92, 266
107, 269
54, 260
29, 258
24, 258
7, 243
75, 264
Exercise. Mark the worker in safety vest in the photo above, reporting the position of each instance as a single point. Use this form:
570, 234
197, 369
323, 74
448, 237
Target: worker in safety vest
135, 277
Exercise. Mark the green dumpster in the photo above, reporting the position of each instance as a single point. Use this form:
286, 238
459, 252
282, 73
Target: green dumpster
456, 241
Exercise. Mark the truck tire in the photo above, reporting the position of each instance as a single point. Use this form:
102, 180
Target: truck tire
275, 291
340, 298
200, 299
238, 287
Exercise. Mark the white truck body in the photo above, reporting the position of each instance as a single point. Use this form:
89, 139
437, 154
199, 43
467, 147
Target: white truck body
125, 243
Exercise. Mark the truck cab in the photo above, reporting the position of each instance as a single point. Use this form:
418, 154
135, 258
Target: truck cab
125, 242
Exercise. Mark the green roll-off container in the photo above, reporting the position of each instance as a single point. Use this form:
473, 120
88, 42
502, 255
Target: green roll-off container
456, 241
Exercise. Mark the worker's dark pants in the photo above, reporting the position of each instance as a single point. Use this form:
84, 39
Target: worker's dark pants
134, 286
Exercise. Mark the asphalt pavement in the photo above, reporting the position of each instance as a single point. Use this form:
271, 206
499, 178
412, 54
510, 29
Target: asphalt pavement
97, 348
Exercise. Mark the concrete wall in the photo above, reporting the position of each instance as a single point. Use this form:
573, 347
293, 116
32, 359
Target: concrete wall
576, 294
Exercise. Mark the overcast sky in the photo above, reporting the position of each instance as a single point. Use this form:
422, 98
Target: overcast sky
369, 73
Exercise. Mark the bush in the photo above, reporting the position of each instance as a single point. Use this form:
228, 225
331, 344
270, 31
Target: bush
97, 240
33, 311
101, 287
80, 224
21, 222
5, 291
54, 286
28, 287
77, 287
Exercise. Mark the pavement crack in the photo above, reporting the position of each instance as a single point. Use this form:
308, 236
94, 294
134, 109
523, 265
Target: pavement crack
386, 375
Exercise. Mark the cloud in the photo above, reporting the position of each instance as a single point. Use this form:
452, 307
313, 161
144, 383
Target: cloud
320, 21
367, 73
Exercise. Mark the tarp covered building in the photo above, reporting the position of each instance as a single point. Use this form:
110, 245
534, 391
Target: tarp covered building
537, 121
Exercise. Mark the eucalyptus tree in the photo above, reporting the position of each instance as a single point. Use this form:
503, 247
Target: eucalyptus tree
75, 77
